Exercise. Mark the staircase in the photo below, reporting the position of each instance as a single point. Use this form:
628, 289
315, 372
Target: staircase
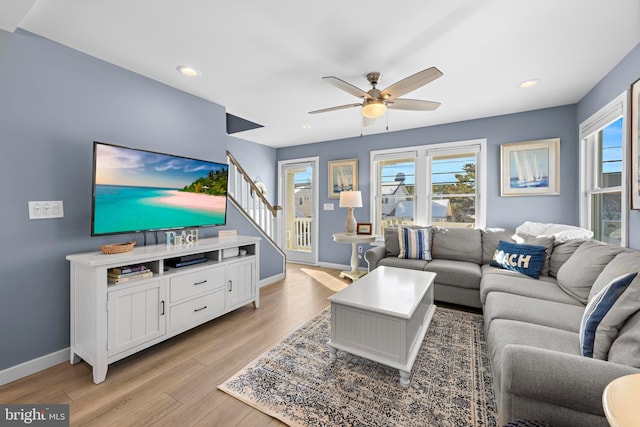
244, 193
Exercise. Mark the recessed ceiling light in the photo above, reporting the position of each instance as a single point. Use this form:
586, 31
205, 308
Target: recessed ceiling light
188, 71
529, 83
306, 126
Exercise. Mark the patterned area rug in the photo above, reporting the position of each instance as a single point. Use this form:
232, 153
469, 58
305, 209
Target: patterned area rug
296, 382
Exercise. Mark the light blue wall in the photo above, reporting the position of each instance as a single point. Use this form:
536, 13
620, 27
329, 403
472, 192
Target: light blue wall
613, 84
54, 102
501, 211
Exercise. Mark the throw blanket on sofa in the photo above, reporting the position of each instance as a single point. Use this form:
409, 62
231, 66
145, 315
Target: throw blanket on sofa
560, 232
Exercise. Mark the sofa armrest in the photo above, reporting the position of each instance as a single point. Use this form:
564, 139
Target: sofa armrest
374, 255
555, 378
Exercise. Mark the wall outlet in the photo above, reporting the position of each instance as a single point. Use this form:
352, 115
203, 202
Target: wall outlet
46, 209
360, 249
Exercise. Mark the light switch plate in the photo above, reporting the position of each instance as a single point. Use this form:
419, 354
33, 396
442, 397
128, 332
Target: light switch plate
328, 206
46, 209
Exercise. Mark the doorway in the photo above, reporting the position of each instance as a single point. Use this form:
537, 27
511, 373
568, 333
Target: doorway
298, 196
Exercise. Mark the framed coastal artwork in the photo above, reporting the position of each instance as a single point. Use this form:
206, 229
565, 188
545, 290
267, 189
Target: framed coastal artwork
635, 145
343, 176
530, 168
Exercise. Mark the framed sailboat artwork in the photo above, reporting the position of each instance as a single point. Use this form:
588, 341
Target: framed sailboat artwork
530, 168
343, 176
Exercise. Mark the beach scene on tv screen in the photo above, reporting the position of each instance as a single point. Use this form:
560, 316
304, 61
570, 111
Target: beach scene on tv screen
139, 190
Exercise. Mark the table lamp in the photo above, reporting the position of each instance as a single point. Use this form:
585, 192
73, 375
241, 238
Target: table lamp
350, 200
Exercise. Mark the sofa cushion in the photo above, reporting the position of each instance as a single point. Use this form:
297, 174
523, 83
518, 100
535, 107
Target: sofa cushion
413, 264
414, 244
525, 259
625, 349
546, 241
490, 239
561, 253
500, 305
458, 244
498, 280
580, 271
456, 273
625, 262
506, 332
605, 314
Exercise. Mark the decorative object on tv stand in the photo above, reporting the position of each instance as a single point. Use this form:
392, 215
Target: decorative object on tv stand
173, 238
350, 200
117, 248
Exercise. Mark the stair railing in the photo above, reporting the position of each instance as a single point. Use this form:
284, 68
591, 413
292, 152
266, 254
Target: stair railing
250, 199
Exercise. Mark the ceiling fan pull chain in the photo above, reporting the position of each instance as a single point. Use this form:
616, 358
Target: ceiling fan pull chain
387, 119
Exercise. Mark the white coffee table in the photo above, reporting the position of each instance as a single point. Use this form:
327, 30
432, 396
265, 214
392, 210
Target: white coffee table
384, 317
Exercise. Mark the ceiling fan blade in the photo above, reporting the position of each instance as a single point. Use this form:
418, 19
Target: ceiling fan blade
347, 87
339, 107
411, 83
412, 104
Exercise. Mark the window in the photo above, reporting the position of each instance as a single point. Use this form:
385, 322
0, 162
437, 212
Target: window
454, 195
603, 207
395, 189
437, 184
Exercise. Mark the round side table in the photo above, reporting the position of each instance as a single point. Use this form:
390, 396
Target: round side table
354, 239
620, 401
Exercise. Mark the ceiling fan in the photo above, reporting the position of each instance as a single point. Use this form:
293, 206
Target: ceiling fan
375, 102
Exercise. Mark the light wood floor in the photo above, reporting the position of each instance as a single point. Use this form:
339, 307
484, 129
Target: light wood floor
175, 382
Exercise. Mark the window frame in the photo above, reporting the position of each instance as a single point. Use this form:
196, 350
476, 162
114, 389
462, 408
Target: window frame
422, 189
589, 161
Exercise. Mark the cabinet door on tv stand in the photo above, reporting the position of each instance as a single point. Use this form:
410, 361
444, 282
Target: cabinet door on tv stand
241, 283
135, 315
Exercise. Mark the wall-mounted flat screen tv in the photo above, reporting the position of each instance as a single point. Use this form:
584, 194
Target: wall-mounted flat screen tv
138, 190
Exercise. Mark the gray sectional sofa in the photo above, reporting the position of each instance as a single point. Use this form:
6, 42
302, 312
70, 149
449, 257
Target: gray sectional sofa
533, 324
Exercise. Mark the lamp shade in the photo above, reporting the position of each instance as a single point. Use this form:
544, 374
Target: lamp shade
350, 199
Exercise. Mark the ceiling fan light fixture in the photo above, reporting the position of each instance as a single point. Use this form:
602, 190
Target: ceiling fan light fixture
373, 108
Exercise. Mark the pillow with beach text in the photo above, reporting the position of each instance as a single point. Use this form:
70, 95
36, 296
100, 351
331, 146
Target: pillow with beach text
525, 259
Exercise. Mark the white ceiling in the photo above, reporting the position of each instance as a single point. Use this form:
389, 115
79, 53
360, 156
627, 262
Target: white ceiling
264, 61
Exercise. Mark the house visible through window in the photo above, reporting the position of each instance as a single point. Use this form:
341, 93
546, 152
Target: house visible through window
395, 190
437, 184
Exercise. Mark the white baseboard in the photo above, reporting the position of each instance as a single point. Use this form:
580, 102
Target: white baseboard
32, 366
270, 280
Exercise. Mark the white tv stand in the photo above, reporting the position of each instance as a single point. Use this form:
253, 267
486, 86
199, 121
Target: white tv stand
112, 321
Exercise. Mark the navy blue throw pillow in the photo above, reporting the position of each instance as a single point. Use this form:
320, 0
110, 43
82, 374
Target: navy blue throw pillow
526, 259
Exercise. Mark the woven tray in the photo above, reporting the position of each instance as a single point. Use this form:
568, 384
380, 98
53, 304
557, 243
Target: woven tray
117, 248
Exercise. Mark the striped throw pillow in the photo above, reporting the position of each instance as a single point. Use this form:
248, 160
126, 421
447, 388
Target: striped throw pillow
414, 243
605, 313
